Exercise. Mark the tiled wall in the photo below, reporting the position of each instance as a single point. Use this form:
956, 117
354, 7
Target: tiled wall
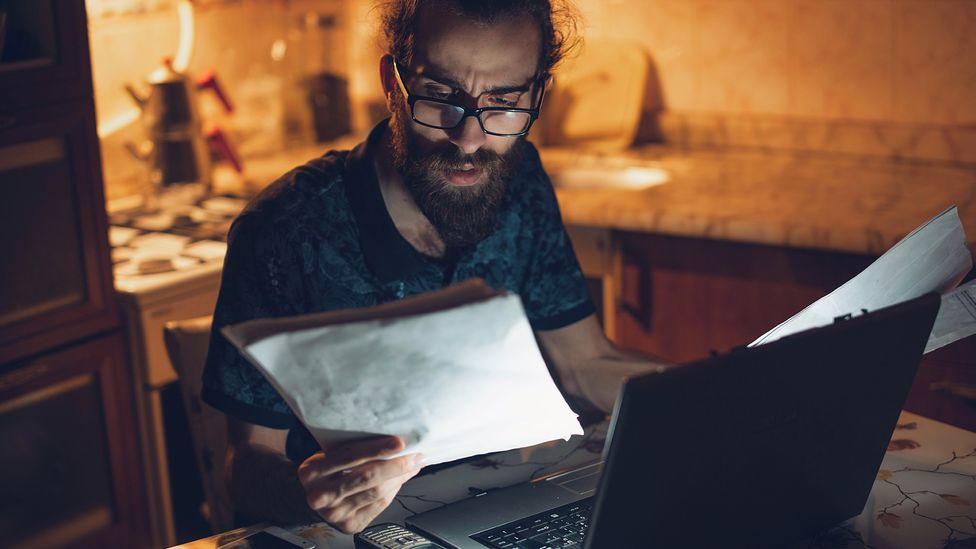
887, 78
904, 61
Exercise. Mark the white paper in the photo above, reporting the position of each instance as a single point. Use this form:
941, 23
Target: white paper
932, 258
957, 317
453, 384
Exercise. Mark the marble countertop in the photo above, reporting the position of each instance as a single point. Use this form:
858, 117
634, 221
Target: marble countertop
830, 202
823, 201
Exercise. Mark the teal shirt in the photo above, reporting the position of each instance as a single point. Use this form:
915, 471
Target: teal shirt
320, 238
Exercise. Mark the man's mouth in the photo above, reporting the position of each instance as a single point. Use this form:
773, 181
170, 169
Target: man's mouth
464, 177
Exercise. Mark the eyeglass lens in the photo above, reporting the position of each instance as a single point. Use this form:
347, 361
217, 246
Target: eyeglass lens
448, 116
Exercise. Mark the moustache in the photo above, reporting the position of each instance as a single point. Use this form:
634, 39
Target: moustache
454, 159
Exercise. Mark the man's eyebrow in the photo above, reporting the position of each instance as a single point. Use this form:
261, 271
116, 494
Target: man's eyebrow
501, 90
496, 90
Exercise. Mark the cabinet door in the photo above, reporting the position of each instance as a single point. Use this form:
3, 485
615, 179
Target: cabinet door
69, 471
43, 52
55, 271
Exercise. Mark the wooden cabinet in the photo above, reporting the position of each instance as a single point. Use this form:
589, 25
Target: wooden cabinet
704, 295
70, 470
945, 385
43, 53
56, 282
683, 298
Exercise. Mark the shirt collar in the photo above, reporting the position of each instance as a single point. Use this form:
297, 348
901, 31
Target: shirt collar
387, 254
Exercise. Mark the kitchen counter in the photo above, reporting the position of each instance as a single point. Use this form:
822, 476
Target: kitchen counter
830, 202
827, 202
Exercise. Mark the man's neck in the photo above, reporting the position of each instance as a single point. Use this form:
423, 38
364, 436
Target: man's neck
412, 224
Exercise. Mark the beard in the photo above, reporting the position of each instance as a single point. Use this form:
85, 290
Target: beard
462, 215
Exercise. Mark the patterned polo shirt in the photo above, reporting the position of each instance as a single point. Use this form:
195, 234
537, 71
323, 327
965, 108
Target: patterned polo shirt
320, 238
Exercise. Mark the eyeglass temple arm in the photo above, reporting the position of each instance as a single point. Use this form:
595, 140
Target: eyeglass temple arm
542, 91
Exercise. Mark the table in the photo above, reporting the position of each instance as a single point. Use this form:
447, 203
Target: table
924, 494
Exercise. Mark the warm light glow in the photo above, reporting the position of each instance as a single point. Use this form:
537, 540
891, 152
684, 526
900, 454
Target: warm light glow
627, 178
184, 51
278, 49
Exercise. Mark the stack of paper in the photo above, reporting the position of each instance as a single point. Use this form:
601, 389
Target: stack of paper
957, 317
932, 258
453, 383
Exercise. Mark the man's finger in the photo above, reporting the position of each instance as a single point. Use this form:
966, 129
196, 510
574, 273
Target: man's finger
326, 492
386, 490
346, 456
374, 473
351, 514
340, 501
351, 454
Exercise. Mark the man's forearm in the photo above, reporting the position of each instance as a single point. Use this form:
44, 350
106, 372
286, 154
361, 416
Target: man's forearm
264, 486
589, 365
598, 379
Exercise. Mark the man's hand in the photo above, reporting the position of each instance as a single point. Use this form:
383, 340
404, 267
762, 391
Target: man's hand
350, 485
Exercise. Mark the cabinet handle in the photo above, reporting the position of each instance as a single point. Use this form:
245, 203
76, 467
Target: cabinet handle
640, 311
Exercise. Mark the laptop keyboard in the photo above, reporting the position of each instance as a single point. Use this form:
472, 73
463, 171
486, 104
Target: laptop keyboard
562, 527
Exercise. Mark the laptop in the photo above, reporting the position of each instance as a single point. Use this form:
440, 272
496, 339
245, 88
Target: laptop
758, 447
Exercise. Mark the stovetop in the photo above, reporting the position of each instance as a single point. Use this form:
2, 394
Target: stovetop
171, 245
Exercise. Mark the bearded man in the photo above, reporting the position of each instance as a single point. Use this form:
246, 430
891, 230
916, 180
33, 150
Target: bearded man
444, 190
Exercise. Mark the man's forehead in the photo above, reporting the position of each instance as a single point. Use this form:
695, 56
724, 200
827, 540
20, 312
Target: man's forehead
502, 53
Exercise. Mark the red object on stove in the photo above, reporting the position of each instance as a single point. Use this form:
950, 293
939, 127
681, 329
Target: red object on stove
208, 80
218, 141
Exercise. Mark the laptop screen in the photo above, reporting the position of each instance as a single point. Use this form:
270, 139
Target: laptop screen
762, 445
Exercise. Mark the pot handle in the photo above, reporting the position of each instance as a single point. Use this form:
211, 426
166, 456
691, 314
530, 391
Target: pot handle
218, 142
208, 80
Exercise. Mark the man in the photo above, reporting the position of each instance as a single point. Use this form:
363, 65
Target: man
447, 189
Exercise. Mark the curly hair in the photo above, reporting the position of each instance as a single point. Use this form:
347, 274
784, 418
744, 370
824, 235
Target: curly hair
557, 20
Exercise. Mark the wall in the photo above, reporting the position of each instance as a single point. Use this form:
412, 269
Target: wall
907, 61
891, 77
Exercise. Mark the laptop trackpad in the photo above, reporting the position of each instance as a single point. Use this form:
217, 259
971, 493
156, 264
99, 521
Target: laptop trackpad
581, 481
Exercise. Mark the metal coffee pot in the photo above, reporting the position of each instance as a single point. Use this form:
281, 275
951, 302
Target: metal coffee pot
177, 150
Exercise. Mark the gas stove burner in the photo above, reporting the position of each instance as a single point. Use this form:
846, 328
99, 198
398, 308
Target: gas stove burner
204, 231
208, 219
176, 238
155, 264
161, 221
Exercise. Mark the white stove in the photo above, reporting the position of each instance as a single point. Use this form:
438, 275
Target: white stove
167, 267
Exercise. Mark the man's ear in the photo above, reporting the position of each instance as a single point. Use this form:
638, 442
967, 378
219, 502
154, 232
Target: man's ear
387, 79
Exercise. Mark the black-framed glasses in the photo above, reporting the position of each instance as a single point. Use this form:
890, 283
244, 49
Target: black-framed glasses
444, 115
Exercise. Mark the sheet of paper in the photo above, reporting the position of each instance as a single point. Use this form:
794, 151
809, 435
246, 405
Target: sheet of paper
933, 257
455, 383
957, 317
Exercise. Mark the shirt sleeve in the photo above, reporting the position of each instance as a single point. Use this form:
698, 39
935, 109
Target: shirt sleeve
555, 293
254, 284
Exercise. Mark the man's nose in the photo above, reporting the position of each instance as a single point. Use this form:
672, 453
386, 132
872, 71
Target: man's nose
468, 136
